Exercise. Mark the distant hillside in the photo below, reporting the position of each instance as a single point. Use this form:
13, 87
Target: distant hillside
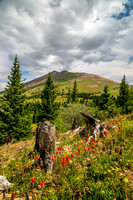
88, 83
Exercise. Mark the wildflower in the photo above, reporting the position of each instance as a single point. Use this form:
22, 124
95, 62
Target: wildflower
41, 163
15, 173
97, 140
63, 162
92, 146
109, 170
72, 155
63, 157
118, 148
86, 139
38, 168
56, 152
32, 179
78, 149
42, 183
54, 156
85, 149
67, 157
30, 166
78, 193
25, 166
107, 139
76, 153
59, 148
93, 143
35, 158
82, 143
88, 148
23, 194
12, 195
94, 151
111, 143
125, 180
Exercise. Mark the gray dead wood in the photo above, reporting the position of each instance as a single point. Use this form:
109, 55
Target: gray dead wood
45, 143
94, 127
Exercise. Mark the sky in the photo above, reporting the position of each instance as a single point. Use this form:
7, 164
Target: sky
92, 36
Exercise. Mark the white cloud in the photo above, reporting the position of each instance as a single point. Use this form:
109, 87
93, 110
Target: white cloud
66, 35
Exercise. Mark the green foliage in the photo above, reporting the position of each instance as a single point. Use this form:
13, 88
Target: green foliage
71, 114
48, 96
15, 119
74, 95
104, 98
123, 97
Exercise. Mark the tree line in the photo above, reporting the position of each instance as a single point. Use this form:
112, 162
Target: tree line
16, 116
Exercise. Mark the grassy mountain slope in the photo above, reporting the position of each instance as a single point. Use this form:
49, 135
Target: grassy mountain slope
63, 80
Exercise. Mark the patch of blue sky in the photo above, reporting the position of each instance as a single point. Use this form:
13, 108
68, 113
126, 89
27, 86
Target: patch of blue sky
128, 8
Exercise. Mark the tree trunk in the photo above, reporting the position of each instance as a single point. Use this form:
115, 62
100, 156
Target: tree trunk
45, 143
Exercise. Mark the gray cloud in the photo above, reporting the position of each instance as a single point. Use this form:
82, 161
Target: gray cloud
73, 35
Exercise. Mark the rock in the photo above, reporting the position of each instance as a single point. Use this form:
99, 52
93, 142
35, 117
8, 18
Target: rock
4, 184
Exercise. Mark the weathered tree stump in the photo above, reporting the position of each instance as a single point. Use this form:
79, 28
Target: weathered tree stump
93, 126
45, 143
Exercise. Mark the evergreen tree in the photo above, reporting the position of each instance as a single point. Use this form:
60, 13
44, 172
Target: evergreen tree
69, 96
48, 97
74, 95
104, 98
123, 97
15, 121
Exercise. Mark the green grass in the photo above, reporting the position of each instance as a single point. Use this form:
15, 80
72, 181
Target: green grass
99, 170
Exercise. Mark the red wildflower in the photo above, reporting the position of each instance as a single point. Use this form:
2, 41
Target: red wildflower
85, 149
32, 179
86, 139
92, 140
78, 149
94, 151
23, 194
107, 139
105, 132
118, 148
15, 173
42, 183
56, 152
59, 148
76, 153
93, 143
105, 127
63, 162
63, 157
92, 146
111, 143
25, 166
67, 157
12, 195
72, 155
38, 168
90, 143
88, 148
82, 143
54, 156
96, 140
59, 151
35, 158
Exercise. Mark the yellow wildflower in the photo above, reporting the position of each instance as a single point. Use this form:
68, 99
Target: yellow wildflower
125, 180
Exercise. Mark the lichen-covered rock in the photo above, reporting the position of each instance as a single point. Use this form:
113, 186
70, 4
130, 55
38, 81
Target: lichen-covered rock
45, 143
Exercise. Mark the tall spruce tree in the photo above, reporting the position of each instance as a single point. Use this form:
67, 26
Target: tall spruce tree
48, 97
74, 95
104, 98
123, 96
15, 119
